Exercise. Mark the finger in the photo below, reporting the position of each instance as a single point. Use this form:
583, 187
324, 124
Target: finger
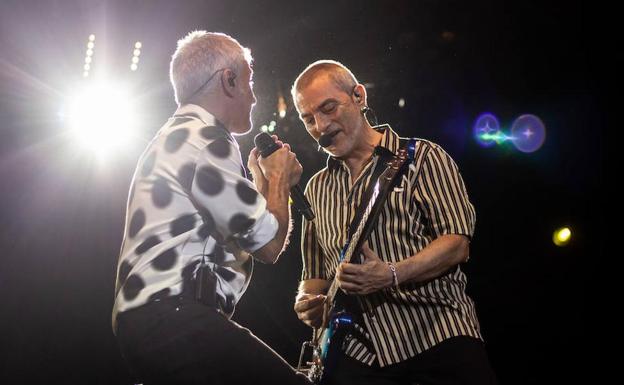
350, 268
367, 252
307, 304
302, 305
252, 161
341, 276
304, 296
349, 288
312, 314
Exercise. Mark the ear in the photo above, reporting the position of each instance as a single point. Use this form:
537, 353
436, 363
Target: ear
228, 82
359, 95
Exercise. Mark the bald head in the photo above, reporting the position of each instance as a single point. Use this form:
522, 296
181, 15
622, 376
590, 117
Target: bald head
340, 75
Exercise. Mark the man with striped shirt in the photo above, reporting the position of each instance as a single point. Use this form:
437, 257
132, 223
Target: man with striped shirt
417, 325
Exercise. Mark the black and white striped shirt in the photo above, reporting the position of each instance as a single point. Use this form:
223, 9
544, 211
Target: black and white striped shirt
430, 202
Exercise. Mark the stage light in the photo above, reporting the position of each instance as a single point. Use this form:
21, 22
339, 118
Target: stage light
134, 65
88, 55
401, 102
101, 117
281, 106
562, 236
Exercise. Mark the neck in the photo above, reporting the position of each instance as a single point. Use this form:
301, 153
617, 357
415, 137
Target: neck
363, 150
215, 107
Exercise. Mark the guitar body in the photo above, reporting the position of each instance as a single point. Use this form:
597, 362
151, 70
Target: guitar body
329, 346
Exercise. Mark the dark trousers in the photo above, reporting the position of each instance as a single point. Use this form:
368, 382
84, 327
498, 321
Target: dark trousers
180, 341
455, 361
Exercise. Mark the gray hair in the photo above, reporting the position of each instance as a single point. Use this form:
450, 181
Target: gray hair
199, 55
338, 73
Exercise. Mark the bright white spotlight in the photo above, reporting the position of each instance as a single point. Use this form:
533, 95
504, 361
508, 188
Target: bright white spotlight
101, 118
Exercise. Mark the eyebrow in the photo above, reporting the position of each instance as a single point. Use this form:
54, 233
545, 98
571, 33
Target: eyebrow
320, 106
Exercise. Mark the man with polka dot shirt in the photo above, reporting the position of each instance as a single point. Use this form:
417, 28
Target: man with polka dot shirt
192, 212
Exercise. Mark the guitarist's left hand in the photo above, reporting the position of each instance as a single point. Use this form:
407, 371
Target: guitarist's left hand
370, 276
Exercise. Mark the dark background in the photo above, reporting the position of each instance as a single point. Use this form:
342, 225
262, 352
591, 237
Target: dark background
62, 211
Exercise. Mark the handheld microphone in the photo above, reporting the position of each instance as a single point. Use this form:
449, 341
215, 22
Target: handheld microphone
266, 146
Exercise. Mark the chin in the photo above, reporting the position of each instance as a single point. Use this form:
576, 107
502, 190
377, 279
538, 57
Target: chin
242, 129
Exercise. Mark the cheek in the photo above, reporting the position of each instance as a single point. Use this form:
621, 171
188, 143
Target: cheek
313, 133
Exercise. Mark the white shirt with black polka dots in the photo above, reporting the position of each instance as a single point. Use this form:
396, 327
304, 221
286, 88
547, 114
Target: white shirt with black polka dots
190, 198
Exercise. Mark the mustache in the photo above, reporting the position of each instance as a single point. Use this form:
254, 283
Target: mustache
327, 139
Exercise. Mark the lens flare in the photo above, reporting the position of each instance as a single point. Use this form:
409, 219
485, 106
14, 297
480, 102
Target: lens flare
487, 130
528, 132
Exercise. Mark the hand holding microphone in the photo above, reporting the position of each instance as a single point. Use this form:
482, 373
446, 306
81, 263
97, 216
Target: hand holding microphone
279, 162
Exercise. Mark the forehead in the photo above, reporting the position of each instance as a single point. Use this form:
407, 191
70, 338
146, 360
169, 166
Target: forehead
321, 88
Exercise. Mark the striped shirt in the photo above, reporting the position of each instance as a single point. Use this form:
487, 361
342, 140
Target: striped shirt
431, 201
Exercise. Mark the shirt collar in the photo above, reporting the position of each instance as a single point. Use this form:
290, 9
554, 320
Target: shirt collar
389, 144
195, 111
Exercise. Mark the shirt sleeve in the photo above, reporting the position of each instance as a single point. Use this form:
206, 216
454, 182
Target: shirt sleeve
442, 195
229, 203
311, 252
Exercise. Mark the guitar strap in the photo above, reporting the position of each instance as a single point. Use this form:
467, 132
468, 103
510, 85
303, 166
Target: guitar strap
382, 158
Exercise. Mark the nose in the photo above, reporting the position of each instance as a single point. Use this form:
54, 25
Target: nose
322, 123
253, 98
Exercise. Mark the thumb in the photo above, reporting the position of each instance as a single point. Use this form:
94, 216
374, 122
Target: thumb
369, 255
252, 162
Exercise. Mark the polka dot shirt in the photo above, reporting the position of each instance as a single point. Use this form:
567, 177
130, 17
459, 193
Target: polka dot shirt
190, 201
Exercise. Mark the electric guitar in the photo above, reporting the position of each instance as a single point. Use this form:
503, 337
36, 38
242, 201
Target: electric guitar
338, 320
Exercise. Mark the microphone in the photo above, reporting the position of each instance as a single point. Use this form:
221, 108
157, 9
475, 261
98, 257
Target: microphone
325, 140
266, 146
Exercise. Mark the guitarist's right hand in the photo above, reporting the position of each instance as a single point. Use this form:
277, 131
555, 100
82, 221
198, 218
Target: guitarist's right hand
310, 309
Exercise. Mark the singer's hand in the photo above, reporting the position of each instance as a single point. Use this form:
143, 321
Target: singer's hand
253, 166
282, 165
